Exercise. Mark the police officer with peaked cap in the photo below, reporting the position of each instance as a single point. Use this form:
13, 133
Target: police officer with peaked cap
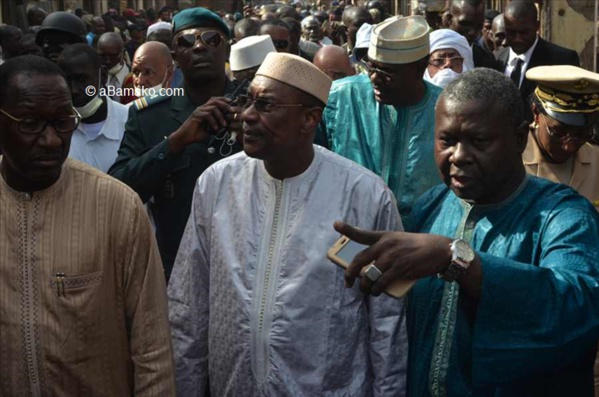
565, 107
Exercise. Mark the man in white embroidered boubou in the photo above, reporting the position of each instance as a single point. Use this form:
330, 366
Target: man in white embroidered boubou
256, 309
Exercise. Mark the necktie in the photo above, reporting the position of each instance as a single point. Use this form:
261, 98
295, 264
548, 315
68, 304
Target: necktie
517, 72
114, 82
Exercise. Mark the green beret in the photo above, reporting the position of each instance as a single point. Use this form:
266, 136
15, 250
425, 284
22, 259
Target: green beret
198, 17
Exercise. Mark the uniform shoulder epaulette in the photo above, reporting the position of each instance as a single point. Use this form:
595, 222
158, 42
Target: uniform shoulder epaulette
147, 101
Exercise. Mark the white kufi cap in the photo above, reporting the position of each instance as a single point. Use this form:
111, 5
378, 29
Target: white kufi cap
250, 52
158, 26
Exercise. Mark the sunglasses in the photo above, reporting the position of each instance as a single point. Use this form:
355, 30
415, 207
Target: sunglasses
210, 38
281, 43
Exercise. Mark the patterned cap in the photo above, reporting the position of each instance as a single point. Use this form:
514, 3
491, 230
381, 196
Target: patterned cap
296, 72
399, 40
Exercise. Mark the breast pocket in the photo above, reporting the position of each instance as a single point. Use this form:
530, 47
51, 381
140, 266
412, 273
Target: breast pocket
77, 295
67, 285
80, 304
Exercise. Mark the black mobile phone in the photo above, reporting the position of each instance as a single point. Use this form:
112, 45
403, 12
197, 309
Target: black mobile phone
234, 97
240, 90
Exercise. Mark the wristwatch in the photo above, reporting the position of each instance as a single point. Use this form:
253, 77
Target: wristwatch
461, 258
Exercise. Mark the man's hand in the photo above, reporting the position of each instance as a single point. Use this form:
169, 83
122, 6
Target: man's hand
338, 33
236, 124
248, 11
211, 117
397, 255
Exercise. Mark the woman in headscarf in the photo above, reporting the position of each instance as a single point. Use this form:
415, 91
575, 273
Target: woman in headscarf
450, 55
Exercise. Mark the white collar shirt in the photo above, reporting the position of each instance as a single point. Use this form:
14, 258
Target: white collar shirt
101, 151
116, 80
513, 60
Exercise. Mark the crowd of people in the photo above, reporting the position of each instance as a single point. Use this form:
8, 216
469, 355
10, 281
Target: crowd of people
171, 183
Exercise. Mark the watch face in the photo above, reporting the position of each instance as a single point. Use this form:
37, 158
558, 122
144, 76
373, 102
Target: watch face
463, 251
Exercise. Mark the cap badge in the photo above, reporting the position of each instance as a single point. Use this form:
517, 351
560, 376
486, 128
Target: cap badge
581, 84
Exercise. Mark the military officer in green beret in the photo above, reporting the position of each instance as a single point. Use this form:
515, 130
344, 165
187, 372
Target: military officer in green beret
170, 141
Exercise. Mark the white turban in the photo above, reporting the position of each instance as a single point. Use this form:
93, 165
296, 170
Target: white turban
446, 38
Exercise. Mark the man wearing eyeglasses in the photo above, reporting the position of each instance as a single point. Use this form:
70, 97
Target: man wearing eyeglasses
256, 309
82, 293
565, 108
278, 32
384, 119
170, 141
450, 56
566, 113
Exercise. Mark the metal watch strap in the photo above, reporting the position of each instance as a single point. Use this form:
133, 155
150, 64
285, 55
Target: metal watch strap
458, 265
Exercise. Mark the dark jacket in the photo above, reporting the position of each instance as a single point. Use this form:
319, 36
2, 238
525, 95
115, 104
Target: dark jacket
483, 58
145, 164
545, 53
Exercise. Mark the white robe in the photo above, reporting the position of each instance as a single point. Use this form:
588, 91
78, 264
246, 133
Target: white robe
255, 306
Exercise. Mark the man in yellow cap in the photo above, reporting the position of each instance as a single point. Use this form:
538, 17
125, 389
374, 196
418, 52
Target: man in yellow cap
255, 307
565, 106
384, 120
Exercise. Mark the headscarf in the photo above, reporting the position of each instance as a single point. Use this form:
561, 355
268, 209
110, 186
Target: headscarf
446, 38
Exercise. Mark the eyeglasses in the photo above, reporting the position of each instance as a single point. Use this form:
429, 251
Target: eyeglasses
372, 70
31, 126
262, 105
440, 62
281, 43
561, 136
210, 38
